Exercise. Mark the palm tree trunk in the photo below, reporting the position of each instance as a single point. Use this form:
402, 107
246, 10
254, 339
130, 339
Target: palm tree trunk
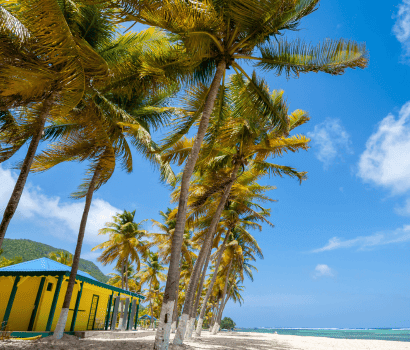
25, 169
126, 276
198, 296
221, 310
150, 303
174, 316
179, 337
175, 311
216, 309
211, 286
164, 328
59, 330
122, 275
122, 287
218, 319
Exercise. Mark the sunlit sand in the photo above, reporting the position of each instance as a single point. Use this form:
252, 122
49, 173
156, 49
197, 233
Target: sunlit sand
223, 340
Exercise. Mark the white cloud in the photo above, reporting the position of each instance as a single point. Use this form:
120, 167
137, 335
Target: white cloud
322, 270
60, 217
386, 160
331, 140
401, 28
400, 235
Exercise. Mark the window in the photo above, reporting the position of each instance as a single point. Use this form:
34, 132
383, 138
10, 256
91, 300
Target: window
49, 287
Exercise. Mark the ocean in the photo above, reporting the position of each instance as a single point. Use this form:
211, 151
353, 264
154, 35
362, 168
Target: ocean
377, 333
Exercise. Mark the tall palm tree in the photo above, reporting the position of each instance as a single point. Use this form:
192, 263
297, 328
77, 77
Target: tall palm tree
163, 239
234, 292
233, 222
104, 121
117, 279
126, 244
152, 274
216, 35
239, 254
249, 135
45, 71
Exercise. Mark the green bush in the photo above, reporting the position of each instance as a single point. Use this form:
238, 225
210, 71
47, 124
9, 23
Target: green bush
227, 323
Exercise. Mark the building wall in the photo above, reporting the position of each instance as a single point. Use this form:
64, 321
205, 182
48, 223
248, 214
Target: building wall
6, 285
26, 294
60, 302
85, 305
46, 301
23, 303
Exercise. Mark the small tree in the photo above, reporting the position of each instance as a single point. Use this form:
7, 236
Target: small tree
227, 323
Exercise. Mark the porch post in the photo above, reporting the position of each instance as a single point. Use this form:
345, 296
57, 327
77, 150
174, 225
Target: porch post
132, 314
10, 303
54, 303
107, 318
115, 312
136, 316
125, 315
77, 305
36, 304
129, 315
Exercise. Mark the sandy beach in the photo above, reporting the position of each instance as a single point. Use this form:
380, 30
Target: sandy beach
225, 340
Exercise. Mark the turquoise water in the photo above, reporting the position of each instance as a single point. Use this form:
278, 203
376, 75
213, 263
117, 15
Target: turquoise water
378, 334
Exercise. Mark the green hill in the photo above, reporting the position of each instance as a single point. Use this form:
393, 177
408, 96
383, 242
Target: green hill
30, 250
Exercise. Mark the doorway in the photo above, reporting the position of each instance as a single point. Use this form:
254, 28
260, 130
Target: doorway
93, 312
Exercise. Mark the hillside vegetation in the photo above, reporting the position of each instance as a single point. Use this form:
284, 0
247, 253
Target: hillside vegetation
30, 250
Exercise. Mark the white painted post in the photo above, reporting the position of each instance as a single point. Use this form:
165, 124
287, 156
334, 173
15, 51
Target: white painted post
115, 312
133, 311
125, 314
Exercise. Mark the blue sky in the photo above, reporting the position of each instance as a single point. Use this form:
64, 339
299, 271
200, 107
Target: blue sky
338, 255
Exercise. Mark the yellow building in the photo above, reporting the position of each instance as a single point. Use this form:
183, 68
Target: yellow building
32, 295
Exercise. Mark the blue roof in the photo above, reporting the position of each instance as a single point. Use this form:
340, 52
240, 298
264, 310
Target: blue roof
147, 317
43, 265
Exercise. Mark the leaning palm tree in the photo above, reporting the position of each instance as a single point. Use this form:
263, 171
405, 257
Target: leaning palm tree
42, 71
152, 274
216, 35
239, 254
233, 220
163, 240
249, 135
117, 280
126, 244
105, 121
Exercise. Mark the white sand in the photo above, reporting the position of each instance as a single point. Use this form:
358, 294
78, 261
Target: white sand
223, 340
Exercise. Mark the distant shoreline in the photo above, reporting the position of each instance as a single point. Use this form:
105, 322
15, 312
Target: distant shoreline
391, 334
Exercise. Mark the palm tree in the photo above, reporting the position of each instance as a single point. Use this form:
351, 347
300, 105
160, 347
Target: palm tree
102, 127
151, 273
45, 71
216, 35
234, 293
126, 244
248, 136
62, 257
240, 251
233, 222
117, 279
163, 240
7, 262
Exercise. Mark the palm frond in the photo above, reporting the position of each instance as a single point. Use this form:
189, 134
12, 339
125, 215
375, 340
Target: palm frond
333, 57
